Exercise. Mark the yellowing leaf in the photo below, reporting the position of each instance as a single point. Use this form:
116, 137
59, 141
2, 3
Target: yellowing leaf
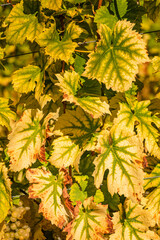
78, 125
92, 222
25, 140
5, 192
1, 53
70, 84
51, 4
55, 48
25, 79
135, 226
48, 188
153, 203
5, 113
118, 53
73, 31
139, 113
118, 154
22, 26
65, 153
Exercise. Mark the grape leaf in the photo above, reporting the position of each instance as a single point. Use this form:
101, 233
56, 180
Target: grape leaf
153, 203
77, 194
70, 84
51, 4
98, 197
55, 48
76, 1
135, 226
92, 222
48, 188
5, 113
1, 53
25, 140
115, 61
25, 79
139, 113
78, 125
121, 7
5, 192
103, 16
22, 26
79, 64
118, 154
65, 153
73, 31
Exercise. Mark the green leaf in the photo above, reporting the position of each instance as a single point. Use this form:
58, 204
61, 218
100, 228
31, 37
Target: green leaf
79, 64
55, 48
118, 53
103, 16
73, 31
22, 26
5, 113
1, 53
5, 192
121, 7
153, 203
31, 6
82, 181
25, 140
91, 222
98, 197
118, 154
153, 10
135, 226
48, 188
138, 112
78, 125
25, 79
51, 4
76, 194
65, 153
76, 1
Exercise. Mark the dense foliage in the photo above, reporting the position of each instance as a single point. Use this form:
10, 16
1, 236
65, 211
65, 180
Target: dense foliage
80, 119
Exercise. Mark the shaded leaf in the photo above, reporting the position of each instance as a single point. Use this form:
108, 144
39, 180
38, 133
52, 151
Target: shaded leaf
48, 188
25, 140
118, 154
79, 64
72, 31
115, 61
5, 192
5, 113
1, 53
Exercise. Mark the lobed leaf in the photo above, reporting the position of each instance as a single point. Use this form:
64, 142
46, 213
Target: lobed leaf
153, 203
118, 154
5, 192
5, 113
22, 26
48, 188
135, 226
25, 79
51, 4
139, 113
65, 153
92, 222
115, 61
25, 140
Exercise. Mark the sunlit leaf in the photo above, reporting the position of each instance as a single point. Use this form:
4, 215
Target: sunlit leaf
118, 154
48, 188
76, 1
78, 192
55, 48
92, 222
118, 53
25, 79
25, 140
73, 31
22, 26
5, 192
65, 152
139, 113
153, 203
1, 53
135, 225
98, 197
5, 113
51, 4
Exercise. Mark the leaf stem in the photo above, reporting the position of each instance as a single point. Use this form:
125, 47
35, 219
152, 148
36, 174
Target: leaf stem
100, 3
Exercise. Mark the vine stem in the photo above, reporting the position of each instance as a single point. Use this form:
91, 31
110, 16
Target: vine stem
100, 3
